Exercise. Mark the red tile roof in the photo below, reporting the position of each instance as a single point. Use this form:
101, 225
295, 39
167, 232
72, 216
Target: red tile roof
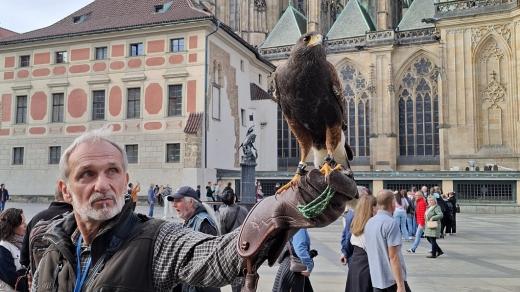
6, 33
107, 15
193, 124
257, 93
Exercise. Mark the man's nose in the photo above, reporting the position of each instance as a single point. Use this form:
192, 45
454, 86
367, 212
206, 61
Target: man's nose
102, 184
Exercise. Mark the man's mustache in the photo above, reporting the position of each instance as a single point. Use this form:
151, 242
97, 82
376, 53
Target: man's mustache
100, 196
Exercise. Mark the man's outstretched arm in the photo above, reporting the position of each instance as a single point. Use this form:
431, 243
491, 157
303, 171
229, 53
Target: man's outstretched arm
185, 256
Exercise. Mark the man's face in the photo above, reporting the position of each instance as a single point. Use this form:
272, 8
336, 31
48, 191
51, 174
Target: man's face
97, 181
424, 189
184, 208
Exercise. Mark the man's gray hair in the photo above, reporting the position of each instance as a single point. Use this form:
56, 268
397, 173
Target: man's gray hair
98, 135
208, 208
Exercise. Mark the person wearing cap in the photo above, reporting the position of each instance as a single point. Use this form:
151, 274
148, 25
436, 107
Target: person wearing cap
196, 216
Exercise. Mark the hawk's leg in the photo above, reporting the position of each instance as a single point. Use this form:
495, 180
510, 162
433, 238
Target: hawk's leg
332, 139
300, 171
304, 139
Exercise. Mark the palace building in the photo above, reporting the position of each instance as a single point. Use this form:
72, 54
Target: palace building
179, 88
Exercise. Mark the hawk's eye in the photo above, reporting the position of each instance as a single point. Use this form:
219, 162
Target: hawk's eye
306, 39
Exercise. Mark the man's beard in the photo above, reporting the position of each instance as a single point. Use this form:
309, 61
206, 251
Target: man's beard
89, 213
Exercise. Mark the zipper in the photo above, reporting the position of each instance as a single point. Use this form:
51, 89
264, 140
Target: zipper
56, 275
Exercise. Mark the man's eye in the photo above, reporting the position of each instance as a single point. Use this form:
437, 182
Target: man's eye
113, 170
86, 174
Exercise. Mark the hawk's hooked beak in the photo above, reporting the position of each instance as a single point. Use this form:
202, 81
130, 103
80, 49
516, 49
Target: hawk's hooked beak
316, 39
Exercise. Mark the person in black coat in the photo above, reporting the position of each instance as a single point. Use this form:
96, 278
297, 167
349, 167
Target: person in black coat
58, 207
453, 200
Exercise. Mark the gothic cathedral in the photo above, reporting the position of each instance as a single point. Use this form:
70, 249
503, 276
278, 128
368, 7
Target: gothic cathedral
430, 85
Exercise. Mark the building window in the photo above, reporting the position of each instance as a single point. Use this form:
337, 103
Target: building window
54, 154
419, 110
242, 65
177, 45
132, 152
61, 57
101, 53
21, 109
173, 153
134, 103
357, 110
136, 49
174, 100
98, 105
288, 148
259, 79
215, 102
243, 118
25, 61
57, 107
81, 18
17, 155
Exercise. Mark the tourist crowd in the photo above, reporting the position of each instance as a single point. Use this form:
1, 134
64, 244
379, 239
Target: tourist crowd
54, 250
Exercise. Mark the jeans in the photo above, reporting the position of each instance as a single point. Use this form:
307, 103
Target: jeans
2, 206
418, 235
400, 218
411, 224
150, 210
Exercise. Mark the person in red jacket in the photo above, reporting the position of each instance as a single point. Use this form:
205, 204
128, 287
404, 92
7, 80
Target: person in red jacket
420, 209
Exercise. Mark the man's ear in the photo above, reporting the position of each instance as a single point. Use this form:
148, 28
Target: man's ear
67, 197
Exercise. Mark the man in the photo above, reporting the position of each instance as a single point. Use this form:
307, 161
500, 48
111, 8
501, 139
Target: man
104, 245
192, 211
424, 190
383, 247
230, 215
151, 200
4, 196
57, 207
209, 192
196, 217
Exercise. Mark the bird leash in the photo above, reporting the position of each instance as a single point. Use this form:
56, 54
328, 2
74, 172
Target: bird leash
316, 207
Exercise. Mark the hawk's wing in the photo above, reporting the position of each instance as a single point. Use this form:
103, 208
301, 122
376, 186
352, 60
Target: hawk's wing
337, 89
274, 84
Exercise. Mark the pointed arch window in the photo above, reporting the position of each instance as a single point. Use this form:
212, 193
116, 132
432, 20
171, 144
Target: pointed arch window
357, 110
419, 110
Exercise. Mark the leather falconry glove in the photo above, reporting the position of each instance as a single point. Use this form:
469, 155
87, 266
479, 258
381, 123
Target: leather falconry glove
316, 201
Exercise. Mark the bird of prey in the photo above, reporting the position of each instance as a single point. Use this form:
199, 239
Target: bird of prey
309, 93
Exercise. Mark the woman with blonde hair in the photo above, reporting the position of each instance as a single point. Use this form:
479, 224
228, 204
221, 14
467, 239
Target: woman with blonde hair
358, 278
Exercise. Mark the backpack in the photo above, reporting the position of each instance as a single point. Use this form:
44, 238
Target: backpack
411, 208
37, 243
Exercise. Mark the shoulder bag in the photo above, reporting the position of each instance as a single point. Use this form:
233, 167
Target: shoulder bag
432, 224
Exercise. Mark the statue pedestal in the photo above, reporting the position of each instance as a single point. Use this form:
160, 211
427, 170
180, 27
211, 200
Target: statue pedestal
247, 183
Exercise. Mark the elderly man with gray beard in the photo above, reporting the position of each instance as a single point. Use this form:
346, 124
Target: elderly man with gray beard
104, 246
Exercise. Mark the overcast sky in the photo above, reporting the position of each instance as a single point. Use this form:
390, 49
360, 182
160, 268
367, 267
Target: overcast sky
26, 15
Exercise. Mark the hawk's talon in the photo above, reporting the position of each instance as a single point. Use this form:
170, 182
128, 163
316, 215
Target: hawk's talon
326, 169
291, 184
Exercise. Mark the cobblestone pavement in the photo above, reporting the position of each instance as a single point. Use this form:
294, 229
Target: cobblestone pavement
484, 256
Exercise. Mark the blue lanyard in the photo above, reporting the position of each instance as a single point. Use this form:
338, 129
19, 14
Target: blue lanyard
80, 275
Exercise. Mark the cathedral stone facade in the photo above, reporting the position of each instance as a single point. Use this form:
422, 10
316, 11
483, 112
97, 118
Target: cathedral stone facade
430, 86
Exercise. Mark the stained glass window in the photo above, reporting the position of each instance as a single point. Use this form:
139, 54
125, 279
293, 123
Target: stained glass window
357, 110
419, 110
